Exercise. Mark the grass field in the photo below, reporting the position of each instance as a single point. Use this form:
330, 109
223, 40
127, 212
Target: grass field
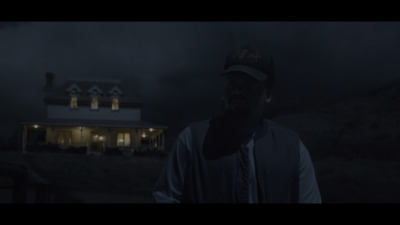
358, 180
130, 179
77, 178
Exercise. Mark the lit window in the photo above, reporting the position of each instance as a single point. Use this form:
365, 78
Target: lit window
123, 139
64, 137
95, 137
114, 105
95, 102
74, 102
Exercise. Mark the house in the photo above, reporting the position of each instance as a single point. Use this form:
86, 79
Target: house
96, 115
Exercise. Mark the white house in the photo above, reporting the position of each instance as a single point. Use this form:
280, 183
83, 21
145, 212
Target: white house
96, 114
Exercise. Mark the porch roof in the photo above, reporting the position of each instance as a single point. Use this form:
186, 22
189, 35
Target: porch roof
95, 123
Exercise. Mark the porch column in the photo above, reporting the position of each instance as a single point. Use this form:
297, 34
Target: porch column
163, 139
24, 138
109, 137
158, 141
81, 128
52, 134
137, 138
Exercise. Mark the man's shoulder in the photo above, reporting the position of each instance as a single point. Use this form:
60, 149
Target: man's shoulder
194, 129
276, 127
196, 125
199, 124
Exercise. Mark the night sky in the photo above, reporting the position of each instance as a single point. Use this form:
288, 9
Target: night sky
176, 66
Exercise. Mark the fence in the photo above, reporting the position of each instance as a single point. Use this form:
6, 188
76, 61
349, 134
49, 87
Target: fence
22, 180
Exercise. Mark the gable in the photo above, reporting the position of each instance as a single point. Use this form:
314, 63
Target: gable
115, 91
73, 89
94, 90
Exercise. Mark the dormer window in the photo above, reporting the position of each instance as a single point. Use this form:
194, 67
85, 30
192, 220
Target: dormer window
95, 102
116, 93
115, 104
74, 92
74, 101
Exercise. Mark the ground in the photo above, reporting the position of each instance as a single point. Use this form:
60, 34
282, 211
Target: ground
128, 179
75, 178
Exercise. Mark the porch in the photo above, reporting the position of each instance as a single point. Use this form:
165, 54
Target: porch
94, 137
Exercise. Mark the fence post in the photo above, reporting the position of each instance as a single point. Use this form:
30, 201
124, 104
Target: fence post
20, 187
41, 193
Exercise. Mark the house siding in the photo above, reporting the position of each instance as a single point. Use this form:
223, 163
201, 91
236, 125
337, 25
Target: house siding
85, 112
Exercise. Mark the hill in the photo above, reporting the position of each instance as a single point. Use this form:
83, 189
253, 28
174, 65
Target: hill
354, 142
365, 125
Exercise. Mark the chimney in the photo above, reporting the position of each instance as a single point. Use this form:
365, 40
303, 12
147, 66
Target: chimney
49, 80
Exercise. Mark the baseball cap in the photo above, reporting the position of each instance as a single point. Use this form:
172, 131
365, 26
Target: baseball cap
249, 60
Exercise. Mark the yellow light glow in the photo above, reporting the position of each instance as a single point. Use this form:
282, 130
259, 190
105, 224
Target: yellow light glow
95, 102
114, 105
74, 102
100, 138
151, 129
35, 126
143, 135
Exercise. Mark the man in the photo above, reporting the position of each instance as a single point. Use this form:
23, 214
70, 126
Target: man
239, 157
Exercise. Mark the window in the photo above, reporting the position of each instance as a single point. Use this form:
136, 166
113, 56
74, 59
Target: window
123, 139
74, 101
115, 105
64, 138
95, 103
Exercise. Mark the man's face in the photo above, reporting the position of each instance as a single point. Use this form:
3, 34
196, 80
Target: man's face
244, 94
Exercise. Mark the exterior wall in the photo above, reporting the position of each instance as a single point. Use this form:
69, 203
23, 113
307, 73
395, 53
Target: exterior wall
86, 113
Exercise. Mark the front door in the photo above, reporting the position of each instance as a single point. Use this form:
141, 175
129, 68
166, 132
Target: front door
97, 143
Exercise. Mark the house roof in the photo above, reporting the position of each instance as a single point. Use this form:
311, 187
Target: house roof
85, 88
95, 123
